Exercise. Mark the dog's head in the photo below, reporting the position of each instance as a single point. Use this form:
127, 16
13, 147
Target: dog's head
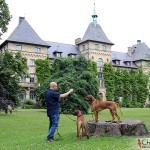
77, 113
89, 98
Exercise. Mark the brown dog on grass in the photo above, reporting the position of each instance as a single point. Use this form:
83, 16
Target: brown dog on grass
98, 106
81, 124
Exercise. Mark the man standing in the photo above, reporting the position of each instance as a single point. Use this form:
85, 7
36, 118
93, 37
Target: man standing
52, 101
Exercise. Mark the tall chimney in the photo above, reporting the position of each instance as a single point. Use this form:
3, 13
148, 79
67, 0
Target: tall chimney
129, 51
78, 40
138, 42
21, 19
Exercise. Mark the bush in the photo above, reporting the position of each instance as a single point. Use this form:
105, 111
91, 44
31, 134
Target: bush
28, 104
147, 105
37, 105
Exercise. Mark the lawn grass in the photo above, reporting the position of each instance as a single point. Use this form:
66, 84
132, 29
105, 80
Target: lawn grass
27, 130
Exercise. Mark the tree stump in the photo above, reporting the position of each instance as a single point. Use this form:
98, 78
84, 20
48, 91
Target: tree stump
124, 128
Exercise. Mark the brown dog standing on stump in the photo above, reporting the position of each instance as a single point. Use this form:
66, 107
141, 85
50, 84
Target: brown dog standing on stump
81, 124
98, 106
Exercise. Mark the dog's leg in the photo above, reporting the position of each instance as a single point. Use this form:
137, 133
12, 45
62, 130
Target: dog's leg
115, 113
96, 116
78, 131
86, 131
112, 114
82, 130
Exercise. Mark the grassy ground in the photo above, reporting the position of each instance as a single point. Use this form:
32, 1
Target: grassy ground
27, 130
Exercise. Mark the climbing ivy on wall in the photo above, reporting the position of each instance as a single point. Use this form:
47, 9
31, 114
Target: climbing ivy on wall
142, 82
108, 72
131, 85
118, 85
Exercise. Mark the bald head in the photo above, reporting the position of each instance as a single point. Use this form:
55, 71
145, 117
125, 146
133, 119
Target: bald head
53, 85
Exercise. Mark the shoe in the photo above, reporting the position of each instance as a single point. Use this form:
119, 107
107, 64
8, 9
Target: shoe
50, 140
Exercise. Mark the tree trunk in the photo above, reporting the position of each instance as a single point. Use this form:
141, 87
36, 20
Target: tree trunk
124, 128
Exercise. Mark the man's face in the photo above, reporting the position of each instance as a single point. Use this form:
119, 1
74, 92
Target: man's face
55, 87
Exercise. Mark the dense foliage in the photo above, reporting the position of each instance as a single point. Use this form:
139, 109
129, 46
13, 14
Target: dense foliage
108, 72
5, 17
130, 85
12, 67
77, 73
42, 70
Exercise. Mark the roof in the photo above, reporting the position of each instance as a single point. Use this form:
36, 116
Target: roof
24, 33
123, 58
140, 51
95, 33
65, 49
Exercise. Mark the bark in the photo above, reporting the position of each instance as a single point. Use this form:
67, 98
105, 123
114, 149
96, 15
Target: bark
125, 128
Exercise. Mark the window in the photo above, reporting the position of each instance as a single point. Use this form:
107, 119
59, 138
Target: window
128, 63
32, 96
18, 47
37, 50
100, 75
22, 95
32, 62
100, 62
96, 46
58, 54
72, 55
83, 47
23, 79
101, 83
104, 47
117, 62
32, 78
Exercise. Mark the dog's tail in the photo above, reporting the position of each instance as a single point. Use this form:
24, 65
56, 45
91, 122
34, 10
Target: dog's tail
119, 108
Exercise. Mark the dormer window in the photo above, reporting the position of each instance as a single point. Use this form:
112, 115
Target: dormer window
72, 55
128, 63
57, 53
117, 62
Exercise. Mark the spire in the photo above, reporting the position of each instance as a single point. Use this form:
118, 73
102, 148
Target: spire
94, 16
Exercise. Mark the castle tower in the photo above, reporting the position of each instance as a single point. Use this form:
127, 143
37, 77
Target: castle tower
96, 46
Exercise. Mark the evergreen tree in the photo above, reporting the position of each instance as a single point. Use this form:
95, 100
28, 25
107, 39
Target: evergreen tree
77, 73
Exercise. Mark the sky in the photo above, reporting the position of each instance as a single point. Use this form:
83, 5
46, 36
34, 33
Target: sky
123, 21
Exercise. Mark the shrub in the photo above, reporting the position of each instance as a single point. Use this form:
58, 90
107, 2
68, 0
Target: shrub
28, 104
147, 105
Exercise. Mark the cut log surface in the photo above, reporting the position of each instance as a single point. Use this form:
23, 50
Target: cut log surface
124, 128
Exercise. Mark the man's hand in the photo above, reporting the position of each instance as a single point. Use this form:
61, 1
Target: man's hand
71, 90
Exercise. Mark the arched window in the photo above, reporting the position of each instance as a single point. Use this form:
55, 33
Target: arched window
100, 62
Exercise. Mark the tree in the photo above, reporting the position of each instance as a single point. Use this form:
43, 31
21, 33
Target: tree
5, 17
77, 73
12, 67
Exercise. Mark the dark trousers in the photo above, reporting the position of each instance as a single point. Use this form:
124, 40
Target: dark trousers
53, 125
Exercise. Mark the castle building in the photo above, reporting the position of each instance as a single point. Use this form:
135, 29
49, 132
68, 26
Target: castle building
94, 45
